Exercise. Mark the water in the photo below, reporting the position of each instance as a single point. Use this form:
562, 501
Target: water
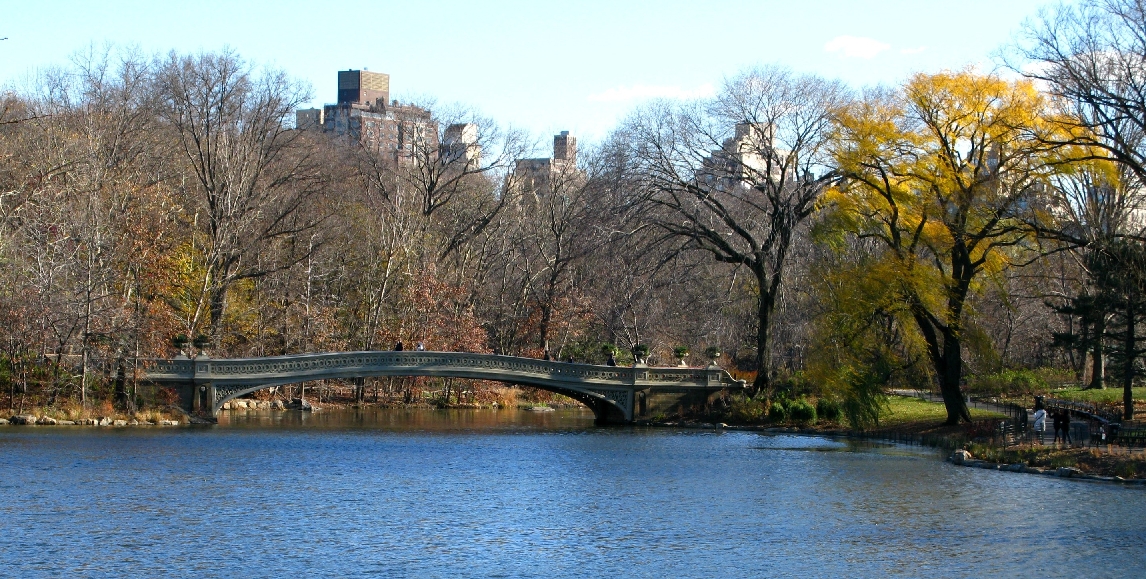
520, 494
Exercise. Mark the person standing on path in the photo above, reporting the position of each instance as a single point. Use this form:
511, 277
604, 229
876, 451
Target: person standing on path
1040, 419
1066, 427
1057, 419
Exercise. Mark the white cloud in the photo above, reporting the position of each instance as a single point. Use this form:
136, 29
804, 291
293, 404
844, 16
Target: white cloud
856, 46
915, 50
644, 92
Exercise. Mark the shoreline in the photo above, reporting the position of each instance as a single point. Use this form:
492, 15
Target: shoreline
958, 457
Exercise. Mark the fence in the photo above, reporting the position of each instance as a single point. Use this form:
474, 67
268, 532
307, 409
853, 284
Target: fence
1017, 428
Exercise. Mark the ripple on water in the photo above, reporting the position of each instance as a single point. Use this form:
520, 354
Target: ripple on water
533, 495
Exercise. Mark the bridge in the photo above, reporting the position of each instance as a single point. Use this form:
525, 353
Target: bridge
614, 394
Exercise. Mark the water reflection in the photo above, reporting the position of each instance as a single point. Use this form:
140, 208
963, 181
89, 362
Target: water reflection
411, 419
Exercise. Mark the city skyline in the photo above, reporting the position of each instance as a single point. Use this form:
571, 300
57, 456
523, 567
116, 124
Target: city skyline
541, 68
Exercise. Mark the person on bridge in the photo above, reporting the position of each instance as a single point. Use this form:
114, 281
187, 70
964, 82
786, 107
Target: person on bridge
398, 347
420, 347
612, 360
1040, 423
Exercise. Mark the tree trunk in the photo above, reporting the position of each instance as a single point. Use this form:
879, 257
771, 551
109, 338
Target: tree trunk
950, 378
765, 306
1129, 348
218, 306
1097, 354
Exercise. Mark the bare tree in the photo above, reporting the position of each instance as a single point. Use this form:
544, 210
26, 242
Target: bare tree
252, 182
735, 176
1089, 58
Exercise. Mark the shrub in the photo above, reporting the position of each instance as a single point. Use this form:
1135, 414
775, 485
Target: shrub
745, 409
1011, 383
167, 396
640, 352
802, 411
828, 409
796, 384
777, 412
863, 393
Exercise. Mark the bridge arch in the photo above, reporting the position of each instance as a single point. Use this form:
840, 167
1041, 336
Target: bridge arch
206, 384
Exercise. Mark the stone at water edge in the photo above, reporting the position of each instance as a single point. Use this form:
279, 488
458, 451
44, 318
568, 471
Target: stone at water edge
278, 405
46, 421
3, 421
25, 419
119, 423
105, 421
961, 456
169, 423
1067, 471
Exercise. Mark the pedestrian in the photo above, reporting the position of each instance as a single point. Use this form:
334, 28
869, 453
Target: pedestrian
1040, 419
420, 347
399, 347
612, 360
1057, 419
548, 357
1066, 427
569, 360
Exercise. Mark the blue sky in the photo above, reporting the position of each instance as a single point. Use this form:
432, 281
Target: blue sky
542, 66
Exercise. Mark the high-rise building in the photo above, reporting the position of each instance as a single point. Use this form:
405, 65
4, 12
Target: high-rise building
460, 141
308, 118
402, 134
538, 177
565, 147
363, 87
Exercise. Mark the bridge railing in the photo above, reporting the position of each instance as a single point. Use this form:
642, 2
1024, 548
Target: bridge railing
338, 364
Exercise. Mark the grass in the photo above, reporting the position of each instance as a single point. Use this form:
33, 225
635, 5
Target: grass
1107, 396
904, 410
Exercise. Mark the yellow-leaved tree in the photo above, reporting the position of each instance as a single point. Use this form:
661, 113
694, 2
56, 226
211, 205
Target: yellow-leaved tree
941, 173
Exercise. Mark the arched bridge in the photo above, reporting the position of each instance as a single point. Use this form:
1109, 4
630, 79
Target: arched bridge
615, 394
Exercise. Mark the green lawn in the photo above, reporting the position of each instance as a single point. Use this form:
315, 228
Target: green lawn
1107, 396
908, 410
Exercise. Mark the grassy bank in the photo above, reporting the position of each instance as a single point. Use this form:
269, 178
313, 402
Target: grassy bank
909, 418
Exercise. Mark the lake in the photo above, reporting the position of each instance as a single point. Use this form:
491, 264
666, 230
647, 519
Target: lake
484, 493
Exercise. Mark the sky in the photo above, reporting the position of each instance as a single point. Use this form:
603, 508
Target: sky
541, 66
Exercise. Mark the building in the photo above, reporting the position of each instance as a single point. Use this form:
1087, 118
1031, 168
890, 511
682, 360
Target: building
402, 134
308, 118
363, 87
538, 177
460, 141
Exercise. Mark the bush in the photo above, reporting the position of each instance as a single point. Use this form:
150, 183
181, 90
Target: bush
828, 409
777, 412
802, 411
745, 409
796, 384
863, 393
1009, 383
